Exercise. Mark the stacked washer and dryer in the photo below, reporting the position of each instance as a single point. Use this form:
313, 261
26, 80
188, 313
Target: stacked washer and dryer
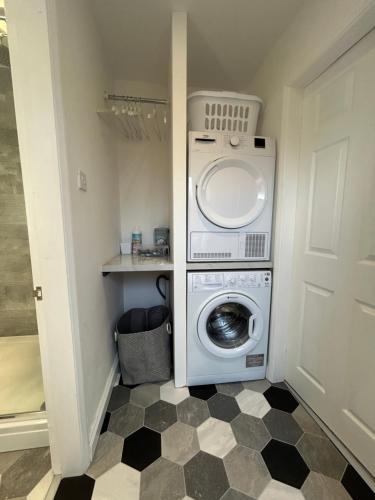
230, 196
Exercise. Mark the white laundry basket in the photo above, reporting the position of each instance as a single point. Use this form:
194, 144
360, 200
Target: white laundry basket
223, 112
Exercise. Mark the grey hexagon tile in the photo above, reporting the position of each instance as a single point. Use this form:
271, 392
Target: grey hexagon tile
282, 426
257, 385
250, 431
223, 407
172, 394
281, 385
162, 480
231, 389
126, 420
179, 443
205, 477
216, 437
246, 471
253, 403
321, 455
324, 488
107, 454
281, 491
117, 480
7, 459
20, 478
233, 494
120, 396
192, 411
306, 422
160, 416
145, 394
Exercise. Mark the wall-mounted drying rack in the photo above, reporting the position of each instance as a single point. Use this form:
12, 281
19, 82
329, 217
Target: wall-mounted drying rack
136, 118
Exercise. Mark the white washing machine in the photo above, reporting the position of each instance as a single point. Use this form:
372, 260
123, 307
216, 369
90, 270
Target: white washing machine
230, 196
227, 326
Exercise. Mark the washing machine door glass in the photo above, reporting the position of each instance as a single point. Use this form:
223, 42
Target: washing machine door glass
230, 325
231, 192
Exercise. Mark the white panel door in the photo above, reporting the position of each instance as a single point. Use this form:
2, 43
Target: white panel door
331, 349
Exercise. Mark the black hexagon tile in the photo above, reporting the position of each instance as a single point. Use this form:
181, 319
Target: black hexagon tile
285, 463
281, 399
356, 486
203, 391
105, 423
75, 487
141, 448
223, 407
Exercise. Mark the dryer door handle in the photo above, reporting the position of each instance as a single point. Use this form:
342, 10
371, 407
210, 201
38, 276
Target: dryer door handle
251, 325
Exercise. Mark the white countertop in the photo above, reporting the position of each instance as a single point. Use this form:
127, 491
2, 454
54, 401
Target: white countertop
131, 263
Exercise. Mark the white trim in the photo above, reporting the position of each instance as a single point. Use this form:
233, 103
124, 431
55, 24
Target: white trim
41, 489
178, 83
102, 406
286, 186
362, 471
53, 487
18, 434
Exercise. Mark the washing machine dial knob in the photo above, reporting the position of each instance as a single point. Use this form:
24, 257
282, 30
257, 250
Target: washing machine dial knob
234, 140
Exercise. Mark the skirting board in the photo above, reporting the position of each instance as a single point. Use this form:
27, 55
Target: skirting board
362, 471
103, 403
23, 434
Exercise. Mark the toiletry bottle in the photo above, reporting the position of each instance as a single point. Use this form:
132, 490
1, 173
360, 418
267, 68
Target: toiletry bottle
136, 240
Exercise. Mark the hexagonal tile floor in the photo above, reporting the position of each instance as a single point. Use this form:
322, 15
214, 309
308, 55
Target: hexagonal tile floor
237, 441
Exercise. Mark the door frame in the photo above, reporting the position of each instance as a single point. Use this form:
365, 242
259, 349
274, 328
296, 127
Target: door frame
33, 52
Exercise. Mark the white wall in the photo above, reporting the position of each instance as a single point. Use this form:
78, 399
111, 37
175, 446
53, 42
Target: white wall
144, 178
307, 41
319, 33
93, 215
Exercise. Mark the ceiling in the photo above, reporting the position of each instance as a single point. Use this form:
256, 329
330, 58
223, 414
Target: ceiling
227, 39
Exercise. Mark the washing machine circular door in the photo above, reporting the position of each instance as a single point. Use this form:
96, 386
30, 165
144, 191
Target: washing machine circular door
231, 192
230, 325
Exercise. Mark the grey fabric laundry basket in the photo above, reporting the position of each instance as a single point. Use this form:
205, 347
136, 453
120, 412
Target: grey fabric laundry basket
144, 345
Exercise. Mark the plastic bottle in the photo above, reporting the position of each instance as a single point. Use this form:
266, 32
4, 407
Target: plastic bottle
136, 240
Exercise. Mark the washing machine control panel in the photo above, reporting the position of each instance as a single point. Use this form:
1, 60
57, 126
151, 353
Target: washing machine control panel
230, 280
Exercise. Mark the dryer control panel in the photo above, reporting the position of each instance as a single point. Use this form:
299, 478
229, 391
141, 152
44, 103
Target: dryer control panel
238, 280
231, 142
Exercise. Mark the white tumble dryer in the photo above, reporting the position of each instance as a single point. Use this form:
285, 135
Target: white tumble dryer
227, 326
230, 196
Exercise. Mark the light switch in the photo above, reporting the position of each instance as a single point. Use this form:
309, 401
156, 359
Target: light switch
82, 181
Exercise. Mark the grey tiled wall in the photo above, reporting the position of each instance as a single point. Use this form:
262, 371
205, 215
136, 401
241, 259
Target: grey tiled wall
17, 308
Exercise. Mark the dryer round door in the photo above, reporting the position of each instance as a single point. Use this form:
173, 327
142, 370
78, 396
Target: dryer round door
231, 192
230, 325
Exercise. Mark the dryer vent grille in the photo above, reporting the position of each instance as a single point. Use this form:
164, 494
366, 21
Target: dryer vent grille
212, 255
255, 245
